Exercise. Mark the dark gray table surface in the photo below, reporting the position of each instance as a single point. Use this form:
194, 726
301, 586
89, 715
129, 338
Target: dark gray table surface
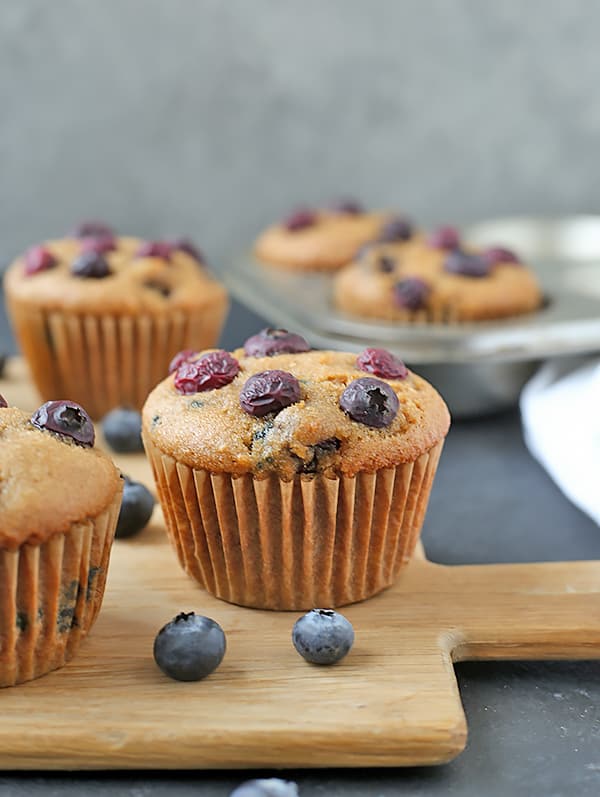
534, 727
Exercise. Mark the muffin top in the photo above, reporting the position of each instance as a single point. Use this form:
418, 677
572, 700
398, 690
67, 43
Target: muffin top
277, 407
95, 269
322, 239
50, 479
436, 279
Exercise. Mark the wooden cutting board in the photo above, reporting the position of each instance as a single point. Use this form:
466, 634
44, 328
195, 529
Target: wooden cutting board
393, 701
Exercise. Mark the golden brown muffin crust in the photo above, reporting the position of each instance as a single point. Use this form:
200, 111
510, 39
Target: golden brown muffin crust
364, 289
47, 482
136, 285
209, 430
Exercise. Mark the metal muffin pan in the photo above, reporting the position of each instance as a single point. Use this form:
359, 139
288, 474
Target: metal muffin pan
478, 367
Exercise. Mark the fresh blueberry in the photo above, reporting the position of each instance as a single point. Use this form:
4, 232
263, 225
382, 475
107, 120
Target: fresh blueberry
213, 370
396, 229
300, 220
189, 247
38, 259
323, 636
266, 787
268, 342
386, 264
3, 401
269, 391
93, 229
381, 362
99, 244
499, 254
122, 429
190, 647
466, 264
180, 358
136, 509
347, 205
370, 401
90, 265
162, 249
444, 238
67, 419
411, 293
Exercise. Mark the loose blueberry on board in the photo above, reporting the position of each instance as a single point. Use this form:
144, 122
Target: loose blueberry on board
190, 647
411, 293
269, 391
396, 229
162, 249
180, 358
136, 509
67, 419
122, 429
213, 370
269, 341
93, 229
90, 265
386, 264
370, 401
381, 362
266, 787
189, 247
300, 220
99, 244
38, 259
3, 401
444, 238
466, 264
499, 254
347, 205
322, 636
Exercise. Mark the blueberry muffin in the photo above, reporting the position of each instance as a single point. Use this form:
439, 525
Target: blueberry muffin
59, 505
292, 478
326, 239
436, 279
99, 317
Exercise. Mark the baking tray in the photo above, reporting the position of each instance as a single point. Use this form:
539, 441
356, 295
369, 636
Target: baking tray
478, 367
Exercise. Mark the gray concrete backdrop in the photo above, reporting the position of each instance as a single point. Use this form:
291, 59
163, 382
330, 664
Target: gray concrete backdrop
212, 117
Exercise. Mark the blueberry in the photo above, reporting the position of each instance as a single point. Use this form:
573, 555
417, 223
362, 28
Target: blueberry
499, 254
370, 401
411, 293
269, 391
300, 219
466, 264
38, 259
396, 229
180, 358
386, 264
381, 362
162, 249
323, 636
3, 401
266, 787
92, 229
90, 265
444, 238
67, 419
190, 647
269, 341
122, 429
136, 509
213, 370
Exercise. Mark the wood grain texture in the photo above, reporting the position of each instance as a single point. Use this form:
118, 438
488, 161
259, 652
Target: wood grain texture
392, 701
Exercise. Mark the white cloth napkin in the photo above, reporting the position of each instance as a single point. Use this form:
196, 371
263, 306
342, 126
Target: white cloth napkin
560, 408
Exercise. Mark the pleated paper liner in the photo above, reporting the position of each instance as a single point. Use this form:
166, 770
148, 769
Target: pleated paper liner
310, 542
50, 596
104, 361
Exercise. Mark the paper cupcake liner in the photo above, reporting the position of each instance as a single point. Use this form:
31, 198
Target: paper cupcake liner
313, 541
50, 595
104, 361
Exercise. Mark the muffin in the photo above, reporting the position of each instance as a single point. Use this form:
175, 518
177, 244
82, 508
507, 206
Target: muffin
436, 279
325, 240
59, 506
99, 318
292, 478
